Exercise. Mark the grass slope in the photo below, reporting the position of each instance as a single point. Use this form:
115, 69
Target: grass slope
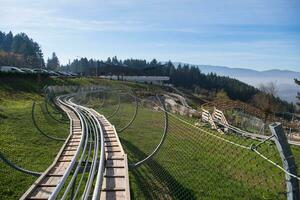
191, 164
23, 144
19, 139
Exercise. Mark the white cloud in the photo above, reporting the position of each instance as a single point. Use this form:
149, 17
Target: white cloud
19, 17
212, 32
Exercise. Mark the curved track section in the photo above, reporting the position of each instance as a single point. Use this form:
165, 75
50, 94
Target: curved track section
92, 150
46, 184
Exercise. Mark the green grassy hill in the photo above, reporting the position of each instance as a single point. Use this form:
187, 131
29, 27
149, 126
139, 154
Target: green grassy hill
19, 140
193, 163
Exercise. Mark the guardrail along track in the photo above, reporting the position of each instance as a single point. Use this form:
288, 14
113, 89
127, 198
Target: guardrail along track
115, 182
48, 181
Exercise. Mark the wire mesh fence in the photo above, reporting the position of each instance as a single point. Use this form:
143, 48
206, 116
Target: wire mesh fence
193, 162
246, 122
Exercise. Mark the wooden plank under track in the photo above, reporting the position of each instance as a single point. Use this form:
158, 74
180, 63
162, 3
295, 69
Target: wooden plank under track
47, 182
115, 185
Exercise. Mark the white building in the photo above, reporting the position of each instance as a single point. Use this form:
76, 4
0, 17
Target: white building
157, 80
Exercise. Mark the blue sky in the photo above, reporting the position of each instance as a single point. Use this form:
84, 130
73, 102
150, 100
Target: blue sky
257, 34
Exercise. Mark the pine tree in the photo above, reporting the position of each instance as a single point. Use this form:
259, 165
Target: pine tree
115, 60
153, 63
20, 51
2, 36
108, 61
53, 63
8, 39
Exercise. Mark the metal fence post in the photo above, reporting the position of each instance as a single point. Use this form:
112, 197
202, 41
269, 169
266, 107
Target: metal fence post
287, 160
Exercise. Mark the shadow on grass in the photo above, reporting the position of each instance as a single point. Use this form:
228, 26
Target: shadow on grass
152, 181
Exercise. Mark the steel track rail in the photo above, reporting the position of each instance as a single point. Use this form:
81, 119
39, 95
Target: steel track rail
109, 184
115, 181
50, 182
87, 136
74, 176
98, 167
73, 160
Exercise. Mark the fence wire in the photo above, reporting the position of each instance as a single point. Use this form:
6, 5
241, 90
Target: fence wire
194, 162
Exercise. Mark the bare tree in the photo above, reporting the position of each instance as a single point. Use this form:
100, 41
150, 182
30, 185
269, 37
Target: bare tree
222, 95
269, 88
265, 99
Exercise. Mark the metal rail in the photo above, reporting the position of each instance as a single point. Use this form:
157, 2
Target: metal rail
133, 117
46, 111
117, 109
116, 179
48, 184
18, 168
139, 163
86, 138
39, 129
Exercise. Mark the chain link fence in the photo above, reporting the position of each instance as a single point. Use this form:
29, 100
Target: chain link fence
194, 162
180, 157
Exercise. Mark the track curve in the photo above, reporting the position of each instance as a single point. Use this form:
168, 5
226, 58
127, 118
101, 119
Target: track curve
92, 148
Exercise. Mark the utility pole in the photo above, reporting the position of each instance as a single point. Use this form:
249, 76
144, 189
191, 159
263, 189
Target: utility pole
69, 66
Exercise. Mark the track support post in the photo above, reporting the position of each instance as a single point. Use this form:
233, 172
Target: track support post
288, 160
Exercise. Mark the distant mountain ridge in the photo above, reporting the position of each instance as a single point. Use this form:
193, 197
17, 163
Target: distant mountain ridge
284, 79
